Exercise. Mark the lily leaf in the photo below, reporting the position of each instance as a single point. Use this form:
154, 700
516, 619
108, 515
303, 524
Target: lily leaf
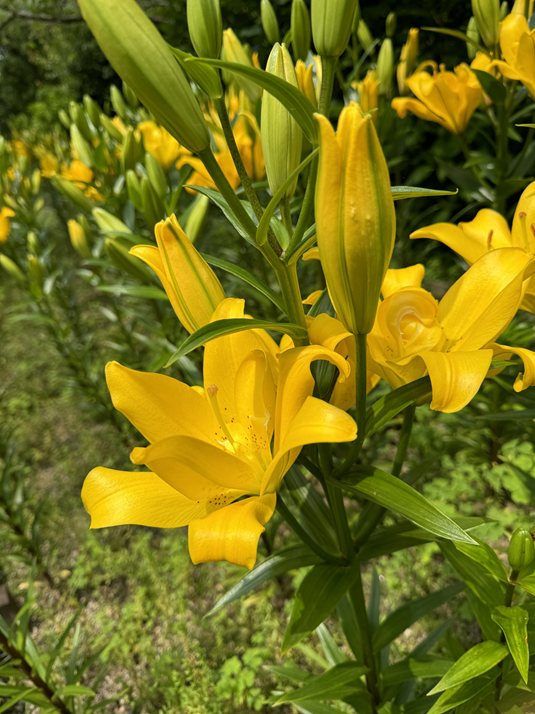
472, 664
491, 86
401, 192
382, 411
309, 241
454, 697
414, 669
142, 291
514, 623
337, 683
484, 554
219, 328
298, 105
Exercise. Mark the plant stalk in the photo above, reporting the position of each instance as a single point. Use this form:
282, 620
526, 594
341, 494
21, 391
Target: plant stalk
327, 82
356, 594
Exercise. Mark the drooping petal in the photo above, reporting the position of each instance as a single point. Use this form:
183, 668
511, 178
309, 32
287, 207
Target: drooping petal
480, 305
523, 233
194, 467
296, 383
116, 498
397, 279
329, 332
231, 533
522, 381
404, 105
160, 406
455, 377
316, 422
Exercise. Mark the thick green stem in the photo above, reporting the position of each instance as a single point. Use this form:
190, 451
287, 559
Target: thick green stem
289, 285
361, 382
356, 595
327, 82
509, 593
307, 206
299, 531
336, 502
287, 216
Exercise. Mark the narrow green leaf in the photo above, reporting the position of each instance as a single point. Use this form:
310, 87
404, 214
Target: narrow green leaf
219, 328
330, 649
527, 583
247, 277
382, 411
286, 559
75, 690
406, 615
297, 104
220, 202
262, 230
484, 554
317, 708
478, 579
472, 664
336, 683
491, 86
315, 599
309, 241
392, 493
414, 668
290, 671
22, 694
142, 291
514, 623
401, 192
459, 35
456, 696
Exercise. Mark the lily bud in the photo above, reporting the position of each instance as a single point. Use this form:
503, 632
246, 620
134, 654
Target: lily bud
355, 217
281, 136
196, 217
78, 239
156, 175
521, 549
131, 151
234, 51
190, 283
269, 21
64, 118
487, 14
82, 147
117, 102
109, 223
110, 127
301, 32
205, 27
130, 96
504, 10
140, 56
12, 268
153, 206
473, 34
36, 181
332, 21
33, 242
35, 271
385, 66
133, 187
120, 256
78, 117
364, 35
92, 109
391, 23
72, 192
305, 80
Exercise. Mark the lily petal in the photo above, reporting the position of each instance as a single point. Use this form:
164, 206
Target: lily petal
404, 105
160, 406
455, 377
522, 381
396, 279
116, 498
232, 533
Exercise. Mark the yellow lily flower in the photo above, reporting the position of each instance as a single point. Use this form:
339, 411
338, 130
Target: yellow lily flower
355, 217
447, 98
5, 224
81, 176
453, 341
191, 285
212, 466
517, 43
159, 143
305, 80
49, 165
368, 91
489, 231
409, 53
19, 148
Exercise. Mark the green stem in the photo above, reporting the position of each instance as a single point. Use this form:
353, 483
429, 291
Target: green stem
336, 502
361, 374
289, 285
502, 145
356, 594
299, 531
509, 593
327, 82
306, 208
404, 438
477, 173
287, 216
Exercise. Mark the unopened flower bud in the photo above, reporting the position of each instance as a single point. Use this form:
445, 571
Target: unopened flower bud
364, 35
191, 285
269, 21
12, 268
473, 34
487, 15
140, 56
156, 175
385, 66
64, 118
205, 27
301, 32
153, 206
305, 80
108, 223
196, 217
281, 136
36, 181
110, 127
130, 96
92, 109
72, 192
118, 252
332, 21
117, 102
391, 23
82, 147
131, 151
78, 239
35, 271
133, 186
504, 10
78, 118
234, 51
32, 242
521, 549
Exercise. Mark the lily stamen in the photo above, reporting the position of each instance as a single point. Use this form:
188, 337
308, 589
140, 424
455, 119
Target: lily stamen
212, 395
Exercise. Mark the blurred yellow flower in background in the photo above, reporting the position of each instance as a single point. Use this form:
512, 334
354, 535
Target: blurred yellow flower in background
5, 224
159, 144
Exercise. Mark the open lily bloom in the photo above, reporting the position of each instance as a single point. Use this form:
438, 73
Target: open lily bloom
489, 231
447, 98
212, 462
5, 224
159, 143
453, 341
517, 43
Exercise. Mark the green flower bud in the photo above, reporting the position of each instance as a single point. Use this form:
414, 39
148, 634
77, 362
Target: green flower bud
79, 239
2, 145
269, 21
196, 216
78, 117
12, 268
35, 271
156, 176
130, 96
153, 206
391, 23
521, 549
487, 14
140, 56
385, 66
64, 118
234, 51
118, 252
32, 242
117, 102
93, 110
301, 31
82, 220
38, 205
36, 181
110, 127
109, 224
473, 34
134, 189
281, 136
205, 27
332, 21
131, 152
206, 77
504, 10
72, 192
364, 35
82, 147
